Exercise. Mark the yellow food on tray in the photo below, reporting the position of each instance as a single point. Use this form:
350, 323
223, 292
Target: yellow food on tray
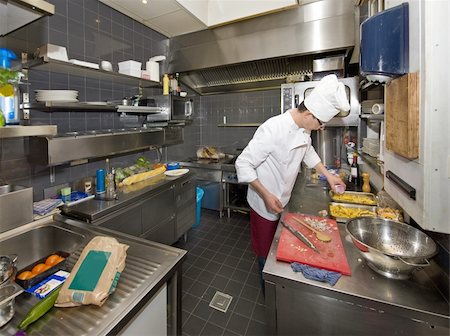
390, 213
352, 198
346, 212
142, 176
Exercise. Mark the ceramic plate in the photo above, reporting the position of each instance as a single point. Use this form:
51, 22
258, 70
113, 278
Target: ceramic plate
176, 172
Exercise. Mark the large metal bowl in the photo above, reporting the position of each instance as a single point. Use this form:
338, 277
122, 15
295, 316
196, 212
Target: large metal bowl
391, 248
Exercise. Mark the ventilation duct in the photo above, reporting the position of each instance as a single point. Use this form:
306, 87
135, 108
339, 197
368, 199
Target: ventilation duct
262, 52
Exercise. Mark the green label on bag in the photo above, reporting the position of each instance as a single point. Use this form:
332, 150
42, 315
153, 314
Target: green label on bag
90, 271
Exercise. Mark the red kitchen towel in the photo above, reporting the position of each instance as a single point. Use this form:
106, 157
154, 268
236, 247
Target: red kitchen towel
332, 254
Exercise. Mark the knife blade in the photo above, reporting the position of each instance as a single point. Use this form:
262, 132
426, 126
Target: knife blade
300, 236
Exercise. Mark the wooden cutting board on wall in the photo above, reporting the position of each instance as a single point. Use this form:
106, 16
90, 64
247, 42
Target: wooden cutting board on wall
402, 116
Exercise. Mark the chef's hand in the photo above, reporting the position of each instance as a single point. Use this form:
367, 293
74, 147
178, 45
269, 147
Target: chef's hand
273, 204
336, 184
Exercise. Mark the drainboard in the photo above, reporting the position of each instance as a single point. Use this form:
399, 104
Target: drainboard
39, 242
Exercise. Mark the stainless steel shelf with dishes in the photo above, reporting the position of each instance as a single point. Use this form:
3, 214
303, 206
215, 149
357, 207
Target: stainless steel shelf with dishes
52, 65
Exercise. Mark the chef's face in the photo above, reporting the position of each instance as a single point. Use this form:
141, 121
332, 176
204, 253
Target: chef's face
315, 123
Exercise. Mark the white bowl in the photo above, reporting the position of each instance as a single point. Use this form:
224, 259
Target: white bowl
105, 65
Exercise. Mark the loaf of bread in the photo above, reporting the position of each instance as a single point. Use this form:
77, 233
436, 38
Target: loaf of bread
209, 152
142, 176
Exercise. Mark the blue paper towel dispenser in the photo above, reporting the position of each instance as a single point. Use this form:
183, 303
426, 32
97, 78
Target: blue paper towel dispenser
385, 44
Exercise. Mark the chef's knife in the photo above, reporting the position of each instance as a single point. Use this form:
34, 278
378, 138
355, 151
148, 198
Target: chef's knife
300, 236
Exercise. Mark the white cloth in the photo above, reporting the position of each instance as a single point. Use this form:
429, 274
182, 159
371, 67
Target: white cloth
327, 99
274, 156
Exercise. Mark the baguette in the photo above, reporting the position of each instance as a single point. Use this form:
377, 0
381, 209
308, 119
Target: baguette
142, 176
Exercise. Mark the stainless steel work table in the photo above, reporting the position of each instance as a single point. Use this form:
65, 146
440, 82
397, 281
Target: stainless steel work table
364, 303
94, 209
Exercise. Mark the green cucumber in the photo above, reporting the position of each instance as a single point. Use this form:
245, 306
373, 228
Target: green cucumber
39, 309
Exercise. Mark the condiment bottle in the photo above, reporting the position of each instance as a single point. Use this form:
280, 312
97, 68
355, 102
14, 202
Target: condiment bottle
165, 84
366, 184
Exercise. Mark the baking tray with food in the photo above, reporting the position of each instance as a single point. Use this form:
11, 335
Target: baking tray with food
41, 269
354, 197
345, 211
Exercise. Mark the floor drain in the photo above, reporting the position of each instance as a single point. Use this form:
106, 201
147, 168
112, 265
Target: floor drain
221, 301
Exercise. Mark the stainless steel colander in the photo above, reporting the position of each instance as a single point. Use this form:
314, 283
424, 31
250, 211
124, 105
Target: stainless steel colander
391, 248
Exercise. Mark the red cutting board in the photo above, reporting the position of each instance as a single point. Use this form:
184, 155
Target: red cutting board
332, 254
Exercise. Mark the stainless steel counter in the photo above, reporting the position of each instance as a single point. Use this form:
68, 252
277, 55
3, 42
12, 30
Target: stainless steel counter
148, 267
94, 209
358, 303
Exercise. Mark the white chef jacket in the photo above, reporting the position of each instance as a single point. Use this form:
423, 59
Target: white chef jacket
274, 156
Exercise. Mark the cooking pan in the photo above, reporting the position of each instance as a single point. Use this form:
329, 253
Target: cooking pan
7, 264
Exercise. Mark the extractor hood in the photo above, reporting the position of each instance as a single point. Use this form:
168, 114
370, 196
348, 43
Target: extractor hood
263, 51
17, 13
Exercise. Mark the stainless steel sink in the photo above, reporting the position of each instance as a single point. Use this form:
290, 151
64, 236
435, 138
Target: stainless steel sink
39, 242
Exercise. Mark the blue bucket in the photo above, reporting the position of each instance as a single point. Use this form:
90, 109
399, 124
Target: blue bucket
200, 192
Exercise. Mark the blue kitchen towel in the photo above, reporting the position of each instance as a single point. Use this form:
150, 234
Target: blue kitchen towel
45, 206
313, 273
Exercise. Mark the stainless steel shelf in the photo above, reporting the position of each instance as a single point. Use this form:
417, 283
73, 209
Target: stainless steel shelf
24, 131
52, 65
240, 125
372, 116
50, 106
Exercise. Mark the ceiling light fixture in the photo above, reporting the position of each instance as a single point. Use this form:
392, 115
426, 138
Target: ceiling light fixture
144, 2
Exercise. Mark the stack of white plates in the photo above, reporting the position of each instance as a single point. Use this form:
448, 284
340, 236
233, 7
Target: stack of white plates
66, 96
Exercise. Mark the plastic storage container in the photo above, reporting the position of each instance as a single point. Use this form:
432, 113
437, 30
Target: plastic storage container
131, 68
200, 194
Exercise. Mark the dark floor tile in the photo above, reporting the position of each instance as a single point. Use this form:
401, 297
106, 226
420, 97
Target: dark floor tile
220, 257
225, 271
213, 266
206, 277
203, 310
210, 292
233, 288
231, 261
244, 307
244, 265
250, 293
192, 272
187, 283
237, 252
259, 313
239, 276
238, 324
219, 318
212, 330
219, 282
189, 302
193, 326
201, 262
208, 254
257, 329
198, 288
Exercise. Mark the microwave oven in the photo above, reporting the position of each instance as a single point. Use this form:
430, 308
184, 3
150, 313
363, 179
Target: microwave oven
181, 108
293, 94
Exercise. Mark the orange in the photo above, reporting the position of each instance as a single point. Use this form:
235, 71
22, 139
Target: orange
25, 275
39, 268
52, 260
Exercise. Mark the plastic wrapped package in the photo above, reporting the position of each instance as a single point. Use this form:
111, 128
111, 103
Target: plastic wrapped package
95, 275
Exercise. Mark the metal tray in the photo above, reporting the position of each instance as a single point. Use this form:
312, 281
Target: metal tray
350, 206
371, 196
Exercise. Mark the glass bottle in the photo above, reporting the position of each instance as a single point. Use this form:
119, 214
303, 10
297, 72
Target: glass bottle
354, 177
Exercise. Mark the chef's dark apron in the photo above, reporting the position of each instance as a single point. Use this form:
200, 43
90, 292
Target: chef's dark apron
262, 232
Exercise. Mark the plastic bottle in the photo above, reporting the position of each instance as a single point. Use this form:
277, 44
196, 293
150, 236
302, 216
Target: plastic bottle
9, 103
165, 84
173, 85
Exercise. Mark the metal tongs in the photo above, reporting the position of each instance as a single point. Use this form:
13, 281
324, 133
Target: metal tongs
300, 236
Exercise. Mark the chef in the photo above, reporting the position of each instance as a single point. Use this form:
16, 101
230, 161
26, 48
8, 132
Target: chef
271, 161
